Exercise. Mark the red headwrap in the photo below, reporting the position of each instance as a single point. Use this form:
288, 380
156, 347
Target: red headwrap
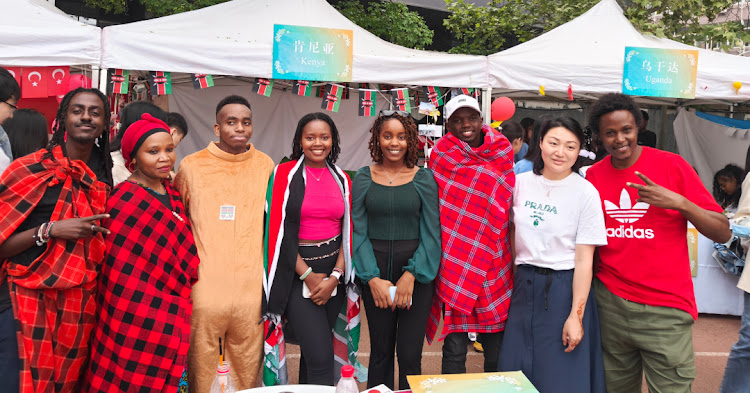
137, 133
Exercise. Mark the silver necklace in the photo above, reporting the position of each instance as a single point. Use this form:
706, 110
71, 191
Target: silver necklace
313, 175
391, 179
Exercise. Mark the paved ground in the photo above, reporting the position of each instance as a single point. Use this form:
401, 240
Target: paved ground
713, 337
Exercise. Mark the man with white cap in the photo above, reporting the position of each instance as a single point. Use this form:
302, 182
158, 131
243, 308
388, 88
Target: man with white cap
473, 166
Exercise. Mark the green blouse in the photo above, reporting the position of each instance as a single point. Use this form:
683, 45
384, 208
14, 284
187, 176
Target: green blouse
390, 220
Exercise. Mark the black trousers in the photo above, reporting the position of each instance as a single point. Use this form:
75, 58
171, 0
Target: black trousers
9, 360
312, 325
455, 347
402, 329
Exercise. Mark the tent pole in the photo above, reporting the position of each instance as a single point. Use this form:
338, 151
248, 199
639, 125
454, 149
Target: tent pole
486, 102
100, 77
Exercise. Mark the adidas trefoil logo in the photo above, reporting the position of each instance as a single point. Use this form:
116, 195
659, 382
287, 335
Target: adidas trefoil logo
626, 213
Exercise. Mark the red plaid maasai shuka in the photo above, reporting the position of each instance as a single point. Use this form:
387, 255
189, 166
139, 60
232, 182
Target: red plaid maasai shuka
53, 298
142, 336
475, 280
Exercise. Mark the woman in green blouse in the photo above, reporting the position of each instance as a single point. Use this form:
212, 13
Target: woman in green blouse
396, 247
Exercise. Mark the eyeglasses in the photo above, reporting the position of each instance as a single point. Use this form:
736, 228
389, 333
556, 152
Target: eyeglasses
11, 105
386, 113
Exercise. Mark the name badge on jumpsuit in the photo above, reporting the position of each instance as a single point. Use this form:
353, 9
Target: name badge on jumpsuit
226, 213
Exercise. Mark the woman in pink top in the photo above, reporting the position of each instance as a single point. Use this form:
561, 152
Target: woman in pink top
308, 245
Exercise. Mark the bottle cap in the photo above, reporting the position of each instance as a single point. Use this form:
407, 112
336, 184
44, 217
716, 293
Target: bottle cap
347, 371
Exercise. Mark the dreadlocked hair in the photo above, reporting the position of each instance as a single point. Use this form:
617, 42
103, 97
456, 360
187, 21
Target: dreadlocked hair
297, 152
104, 172
412, 139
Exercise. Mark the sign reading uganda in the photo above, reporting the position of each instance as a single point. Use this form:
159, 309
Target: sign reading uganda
658, 72
312, 53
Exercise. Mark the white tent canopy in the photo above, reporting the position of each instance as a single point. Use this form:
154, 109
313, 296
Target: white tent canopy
34, 33
588, 53
236, 38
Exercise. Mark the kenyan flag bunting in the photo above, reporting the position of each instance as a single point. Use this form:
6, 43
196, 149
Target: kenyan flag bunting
367, 102
303, 88
401, 99
263, 86
434, 95
202, 81
332, 98
160, 83
118, 81
345, 93
320, 91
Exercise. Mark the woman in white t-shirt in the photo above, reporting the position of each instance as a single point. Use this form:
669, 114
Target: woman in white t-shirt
552, 331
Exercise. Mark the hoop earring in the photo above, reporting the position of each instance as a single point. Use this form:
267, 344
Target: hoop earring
131, 166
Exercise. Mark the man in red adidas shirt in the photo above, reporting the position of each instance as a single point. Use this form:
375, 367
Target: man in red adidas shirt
643, 284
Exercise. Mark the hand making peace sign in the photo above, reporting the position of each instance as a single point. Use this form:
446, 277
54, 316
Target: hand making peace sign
656, 195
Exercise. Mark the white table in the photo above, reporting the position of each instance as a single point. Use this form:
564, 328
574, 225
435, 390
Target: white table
716, 292
292, 389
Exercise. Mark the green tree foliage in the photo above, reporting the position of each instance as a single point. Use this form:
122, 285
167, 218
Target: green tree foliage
485, 30
390, 21
154, 8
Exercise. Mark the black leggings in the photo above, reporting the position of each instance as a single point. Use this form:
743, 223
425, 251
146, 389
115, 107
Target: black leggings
312, 325
403, 329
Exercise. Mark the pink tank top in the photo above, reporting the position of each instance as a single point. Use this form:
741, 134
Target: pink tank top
323, 206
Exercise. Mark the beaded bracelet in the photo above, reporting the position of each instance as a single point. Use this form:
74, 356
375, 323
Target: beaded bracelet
48, 231
305, 274
40, 235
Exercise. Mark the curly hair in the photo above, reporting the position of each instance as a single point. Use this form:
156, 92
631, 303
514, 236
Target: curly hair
412, 139
609, 103
104, 171
297, 152
730, 171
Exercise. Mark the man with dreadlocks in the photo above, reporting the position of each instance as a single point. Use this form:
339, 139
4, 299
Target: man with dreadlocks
51, 243
223, 188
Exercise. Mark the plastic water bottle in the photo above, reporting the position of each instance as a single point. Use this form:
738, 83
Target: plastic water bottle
347, 384
223, 382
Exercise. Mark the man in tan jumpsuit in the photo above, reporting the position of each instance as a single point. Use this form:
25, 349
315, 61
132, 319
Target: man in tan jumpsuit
223, 188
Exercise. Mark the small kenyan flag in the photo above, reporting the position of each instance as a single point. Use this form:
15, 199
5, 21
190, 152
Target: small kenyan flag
320, 91
202, 81
345, 93
367, 102
160, 83
401, 99
119, 81
303, 88
332, 98
434, 95
263, 86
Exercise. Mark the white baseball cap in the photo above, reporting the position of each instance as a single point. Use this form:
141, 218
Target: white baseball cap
461, 102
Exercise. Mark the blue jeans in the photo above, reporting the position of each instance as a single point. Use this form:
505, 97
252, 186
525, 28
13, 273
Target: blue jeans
737, 374
9, 371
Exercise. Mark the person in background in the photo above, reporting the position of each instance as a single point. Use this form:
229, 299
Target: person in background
131, 113
396, 244
10, 92
473, 167
27, 131
528, 128
514, 132
223, 188
177, 126
527, 164
727, 188
552, 332
309, 244
736, 376
51, 246
643, 285
645, 137
144, 305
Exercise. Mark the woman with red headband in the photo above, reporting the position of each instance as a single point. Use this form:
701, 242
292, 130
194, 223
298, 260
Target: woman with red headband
141, 339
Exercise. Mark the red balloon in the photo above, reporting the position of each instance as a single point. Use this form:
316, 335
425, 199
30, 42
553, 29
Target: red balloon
503, 109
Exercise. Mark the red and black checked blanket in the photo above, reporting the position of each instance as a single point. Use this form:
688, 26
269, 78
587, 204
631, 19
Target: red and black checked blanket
475, 280
53, 298
142, 335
